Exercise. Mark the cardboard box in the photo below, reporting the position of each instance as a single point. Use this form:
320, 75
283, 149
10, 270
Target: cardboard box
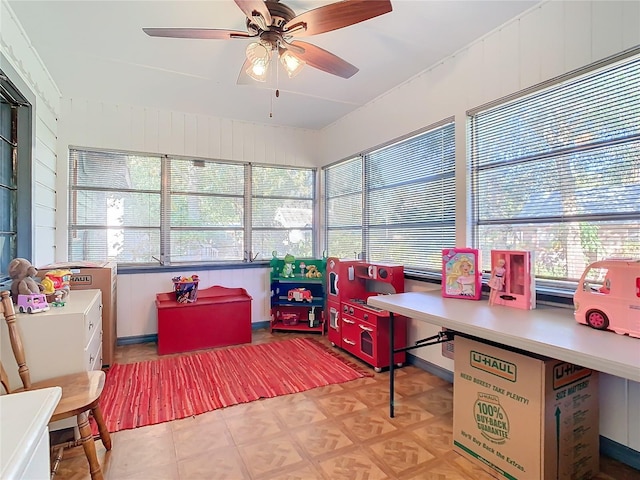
98, 275
523, 417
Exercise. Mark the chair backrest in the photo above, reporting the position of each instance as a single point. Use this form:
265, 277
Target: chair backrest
4, 379
7, 310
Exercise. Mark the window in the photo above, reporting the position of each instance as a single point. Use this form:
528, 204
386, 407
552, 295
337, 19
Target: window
140, 209
343, 194
282, 211
404, 211
15, 171
558, 173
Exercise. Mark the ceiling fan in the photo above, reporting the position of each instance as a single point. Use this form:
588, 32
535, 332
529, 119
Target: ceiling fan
274, 27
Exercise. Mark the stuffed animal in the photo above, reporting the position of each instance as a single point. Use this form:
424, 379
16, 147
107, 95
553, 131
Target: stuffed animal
21, 271
287, 268
313, 272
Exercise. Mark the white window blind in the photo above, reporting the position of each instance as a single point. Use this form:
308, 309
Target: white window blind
558, 173
114, 207
410, 200
343, 208
206, 210
282, 211
397, 203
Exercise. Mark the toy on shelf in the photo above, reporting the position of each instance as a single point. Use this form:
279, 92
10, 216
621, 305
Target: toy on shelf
313, 272
288, 318
461, 275
300, 295
32, 303
512, 279
288, 267
608, 296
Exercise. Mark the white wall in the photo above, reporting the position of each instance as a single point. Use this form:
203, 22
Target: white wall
36, 84
547, 41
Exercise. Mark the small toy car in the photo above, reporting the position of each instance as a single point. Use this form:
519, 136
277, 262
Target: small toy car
608, 296
34, 303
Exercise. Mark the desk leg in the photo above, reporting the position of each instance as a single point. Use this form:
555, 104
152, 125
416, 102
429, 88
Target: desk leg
391, 363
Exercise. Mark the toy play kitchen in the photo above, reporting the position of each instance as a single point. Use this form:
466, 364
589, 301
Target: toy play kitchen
356, 327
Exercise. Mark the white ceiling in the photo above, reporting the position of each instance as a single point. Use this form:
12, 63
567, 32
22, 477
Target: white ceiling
96, 50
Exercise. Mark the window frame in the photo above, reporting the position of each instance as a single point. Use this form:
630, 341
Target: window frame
431, 266
166, 193
21, 98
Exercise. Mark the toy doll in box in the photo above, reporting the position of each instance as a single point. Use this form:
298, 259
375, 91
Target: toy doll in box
512, 281
461, 277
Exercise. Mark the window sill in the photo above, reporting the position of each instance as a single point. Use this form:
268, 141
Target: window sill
137, 269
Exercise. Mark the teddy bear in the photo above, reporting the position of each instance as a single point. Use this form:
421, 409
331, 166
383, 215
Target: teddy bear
20, 272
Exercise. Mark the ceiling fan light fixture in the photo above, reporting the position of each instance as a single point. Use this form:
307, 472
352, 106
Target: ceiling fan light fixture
291, 63
259, 57
258, 72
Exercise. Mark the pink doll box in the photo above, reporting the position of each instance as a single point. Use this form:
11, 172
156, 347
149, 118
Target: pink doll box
461, 274
518, 287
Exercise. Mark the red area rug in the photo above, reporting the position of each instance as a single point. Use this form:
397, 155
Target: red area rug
146, 393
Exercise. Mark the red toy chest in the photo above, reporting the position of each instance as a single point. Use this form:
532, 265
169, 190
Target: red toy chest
221, 316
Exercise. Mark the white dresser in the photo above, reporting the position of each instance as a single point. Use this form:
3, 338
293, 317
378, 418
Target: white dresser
24, 443
60, 341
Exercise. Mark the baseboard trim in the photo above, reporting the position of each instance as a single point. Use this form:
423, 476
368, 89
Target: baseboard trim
153, 338
619, 452
260, 325
137, 339
432, 368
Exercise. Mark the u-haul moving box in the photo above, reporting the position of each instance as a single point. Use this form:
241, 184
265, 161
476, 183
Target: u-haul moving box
523, 417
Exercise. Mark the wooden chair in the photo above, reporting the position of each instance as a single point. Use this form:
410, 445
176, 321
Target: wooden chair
80, 395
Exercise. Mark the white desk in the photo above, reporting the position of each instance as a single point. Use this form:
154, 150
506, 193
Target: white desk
547, 331
24, 443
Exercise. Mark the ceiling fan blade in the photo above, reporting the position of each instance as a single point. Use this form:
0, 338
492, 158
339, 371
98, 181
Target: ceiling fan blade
251, 7
322, 59
206, 33
336, 15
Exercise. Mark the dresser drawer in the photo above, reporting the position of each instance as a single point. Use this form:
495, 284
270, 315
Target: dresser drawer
92, 352
93, 319
97, 361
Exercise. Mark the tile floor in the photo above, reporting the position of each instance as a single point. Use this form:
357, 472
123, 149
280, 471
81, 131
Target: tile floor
338, 432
